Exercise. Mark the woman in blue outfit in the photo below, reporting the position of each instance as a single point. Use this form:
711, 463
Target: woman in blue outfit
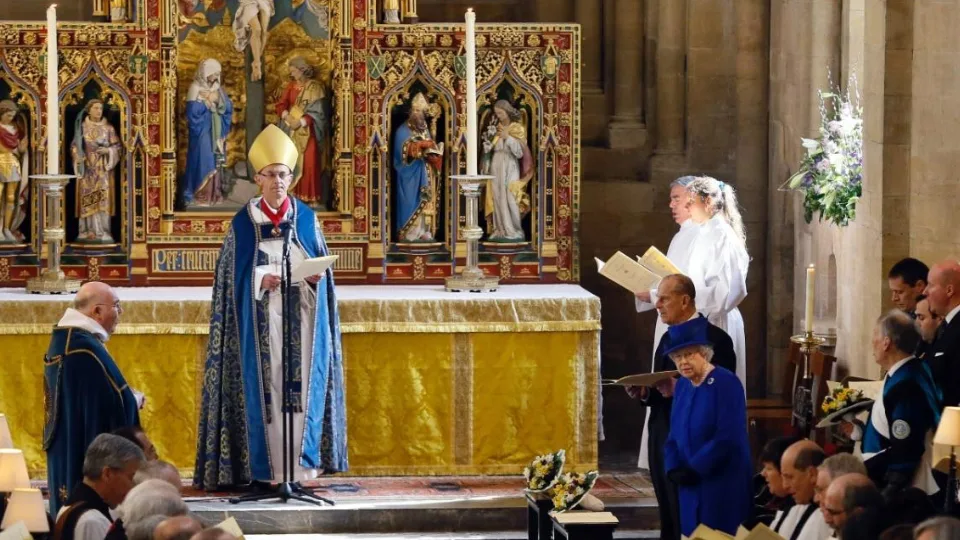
707, 453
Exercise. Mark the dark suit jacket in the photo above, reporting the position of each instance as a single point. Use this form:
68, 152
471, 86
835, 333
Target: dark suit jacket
944, 362
723, 356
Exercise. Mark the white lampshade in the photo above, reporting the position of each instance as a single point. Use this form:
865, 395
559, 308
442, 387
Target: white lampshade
948, 432
13, 470
26, 505
6, 441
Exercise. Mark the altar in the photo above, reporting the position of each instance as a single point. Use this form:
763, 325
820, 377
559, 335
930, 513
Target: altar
437, 383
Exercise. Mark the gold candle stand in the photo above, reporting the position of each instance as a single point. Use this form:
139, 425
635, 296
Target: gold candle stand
52, 279
803, 405
472, 278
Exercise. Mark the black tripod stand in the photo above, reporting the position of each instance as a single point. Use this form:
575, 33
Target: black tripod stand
288, 489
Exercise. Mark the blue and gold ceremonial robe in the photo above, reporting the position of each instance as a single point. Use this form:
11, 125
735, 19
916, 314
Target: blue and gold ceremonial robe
708, 434
84, 395
896, 442
241, 389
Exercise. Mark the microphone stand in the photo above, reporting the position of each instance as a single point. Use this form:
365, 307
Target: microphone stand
289, 488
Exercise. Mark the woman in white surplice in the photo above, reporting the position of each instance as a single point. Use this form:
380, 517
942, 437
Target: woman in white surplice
719, 260
679, 253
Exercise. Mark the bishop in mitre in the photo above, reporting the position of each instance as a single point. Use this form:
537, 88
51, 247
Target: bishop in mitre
240, 437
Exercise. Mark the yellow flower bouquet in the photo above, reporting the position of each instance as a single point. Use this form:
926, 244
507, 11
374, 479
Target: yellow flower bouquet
544, 471
571, 489
841, 398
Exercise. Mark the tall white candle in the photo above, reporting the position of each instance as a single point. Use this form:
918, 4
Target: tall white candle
471, 50
53, 96
811, 288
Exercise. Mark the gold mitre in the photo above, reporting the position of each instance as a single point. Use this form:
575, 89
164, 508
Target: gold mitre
419, 103
271, 146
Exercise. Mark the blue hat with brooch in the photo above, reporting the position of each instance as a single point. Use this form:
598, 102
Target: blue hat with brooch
687, 334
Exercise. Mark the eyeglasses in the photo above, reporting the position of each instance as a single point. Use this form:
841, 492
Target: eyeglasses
284, 176
115, 305
833, 512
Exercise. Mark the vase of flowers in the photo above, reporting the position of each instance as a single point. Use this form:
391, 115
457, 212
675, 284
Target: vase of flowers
543, 472
831, 174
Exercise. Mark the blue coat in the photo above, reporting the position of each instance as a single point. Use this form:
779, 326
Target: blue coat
84, 395
708, 433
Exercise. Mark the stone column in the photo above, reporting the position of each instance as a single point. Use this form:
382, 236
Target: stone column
671, 77
588, 13
627, 129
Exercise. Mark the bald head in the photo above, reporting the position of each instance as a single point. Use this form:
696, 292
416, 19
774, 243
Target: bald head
847, 495
100, 302
213, 534
798, 467
177, 528
943, 287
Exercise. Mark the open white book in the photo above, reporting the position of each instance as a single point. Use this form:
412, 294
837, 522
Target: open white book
313, 267
658, 263
231, 526
638, 275
760, 532
17, 531
641, 379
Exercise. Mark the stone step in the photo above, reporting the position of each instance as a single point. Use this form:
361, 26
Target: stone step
392, 515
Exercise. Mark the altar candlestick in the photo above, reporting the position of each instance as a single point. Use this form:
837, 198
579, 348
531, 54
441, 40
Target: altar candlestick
811, 288
471, 50
53, 96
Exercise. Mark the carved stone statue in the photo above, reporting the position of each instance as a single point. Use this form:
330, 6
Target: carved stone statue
96, 153
118, 10
208, 112
417, 160
303, 116
14, 161
391, 11
507, 158
251, 26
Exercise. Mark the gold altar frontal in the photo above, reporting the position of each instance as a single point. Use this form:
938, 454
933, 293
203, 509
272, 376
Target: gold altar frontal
437, 383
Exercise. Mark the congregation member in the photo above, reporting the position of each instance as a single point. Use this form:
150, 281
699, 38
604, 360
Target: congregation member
108, 469
676, 304
928, 323
832, 468
679, 254
906, 280
84, 389
707, 454
943, 295
802, 521
177, 528
938, 528
145, 507
897, 439
159, 470
719, 260
136, 435
849, 496
240, 437
772, 498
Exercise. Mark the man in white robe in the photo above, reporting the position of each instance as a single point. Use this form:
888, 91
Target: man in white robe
804, 520
679, 253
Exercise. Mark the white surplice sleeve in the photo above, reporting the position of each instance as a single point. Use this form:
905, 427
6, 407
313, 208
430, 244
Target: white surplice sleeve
722, 284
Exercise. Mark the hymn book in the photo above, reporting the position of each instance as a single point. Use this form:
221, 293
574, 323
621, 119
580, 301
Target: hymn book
313, 267
627, 273
641, 379
230, 526
760, 532
658, 263
706, 533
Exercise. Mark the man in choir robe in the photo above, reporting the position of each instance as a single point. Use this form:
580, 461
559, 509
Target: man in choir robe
906, 281
676, 304
679, 253
803, 521
943, 294
84, 392
241, 419
897, 441
109, 466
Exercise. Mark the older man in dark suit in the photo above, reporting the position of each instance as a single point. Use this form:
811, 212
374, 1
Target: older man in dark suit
676, 304
943, 295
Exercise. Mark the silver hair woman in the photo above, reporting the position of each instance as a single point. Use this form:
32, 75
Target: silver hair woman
719, 260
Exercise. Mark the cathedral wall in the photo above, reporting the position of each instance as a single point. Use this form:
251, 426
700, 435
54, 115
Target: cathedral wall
67, 10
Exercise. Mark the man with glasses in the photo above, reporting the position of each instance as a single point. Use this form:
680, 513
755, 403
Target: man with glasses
244, 395
85, 393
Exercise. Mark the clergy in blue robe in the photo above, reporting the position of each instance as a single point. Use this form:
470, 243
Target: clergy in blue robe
416, 160
241, 416
208, 114
898, 439
84, 392
707, 453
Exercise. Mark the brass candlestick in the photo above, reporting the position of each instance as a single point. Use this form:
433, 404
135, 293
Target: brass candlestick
472, 278
803, 382
52, 279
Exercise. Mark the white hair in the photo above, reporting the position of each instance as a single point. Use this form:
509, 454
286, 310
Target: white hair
109, 451
147, 500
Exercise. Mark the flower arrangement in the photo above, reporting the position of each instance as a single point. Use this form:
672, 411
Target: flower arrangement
571, 489
831, 174
544, 471
841, 398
